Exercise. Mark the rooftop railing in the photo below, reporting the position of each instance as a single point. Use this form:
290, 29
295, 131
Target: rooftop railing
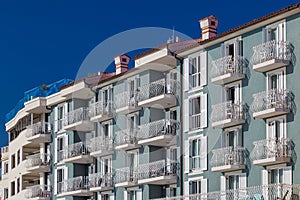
74, 184
76, 149
271, 50
80, 114
37, 160
126, 98
100, 180
227, 110
157, 128
228, 156
157, 168
100, 108
101, 143
38, 191
226, 65
272, 147
38, 128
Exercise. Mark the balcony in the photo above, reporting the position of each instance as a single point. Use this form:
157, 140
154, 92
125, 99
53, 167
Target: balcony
78, 120
271, 103
158, 173
4, 153
38, 192
77, 153
126, 102
228, 159
126, 177
38, 163
78, 186
272, 151
126, 139
227, 69
227, 114
271, 55
158, 94
158, 133
100, 182
101, 111
101, 146
39, 133
266, 192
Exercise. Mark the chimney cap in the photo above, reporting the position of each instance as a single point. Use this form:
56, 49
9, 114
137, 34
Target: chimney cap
123, 54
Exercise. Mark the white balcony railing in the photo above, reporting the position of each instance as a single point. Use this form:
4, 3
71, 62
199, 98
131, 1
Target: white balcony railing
78, 115
157, 168
228, 156
157, 128
271, 50
157, 88
100, 108
126, 174
196, 121
227, 65
100, 179
274, 98
73, 184
101, 143
126, 98
127, 136
272, 148
37, 160
38, 191
269, 192
227, 110
74, 150
38, 128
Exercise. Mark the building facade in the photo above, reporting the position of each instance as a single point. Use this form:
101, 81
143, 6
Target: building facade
212, 118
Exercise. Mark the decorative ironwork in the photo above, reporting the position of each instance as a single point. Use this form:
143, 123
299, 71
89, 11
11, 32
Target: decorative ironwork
100, 108
101, 143
73, 184
38, 191
227, 65
37, 160
227, 110
76, 149
38, 128
127, 136
80, 114
126, 98
127, 174
103, 180
228, 156
157, 168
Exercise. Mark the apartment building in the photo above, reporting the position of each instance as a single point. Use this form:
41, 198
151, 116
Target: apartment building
211, 118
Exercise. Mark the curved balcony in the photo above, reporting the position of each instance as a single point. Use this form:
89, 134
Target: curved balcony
39, 133
100, 111
158, 94
38, 163
100, 182
227, 114
77, 186
126, 102
228, 159
126, 177
272, 151
101, 146
38, 192
271, 103
126, 139
78, 120
271, 55
158, 133
158, 173
227, 69
77, 153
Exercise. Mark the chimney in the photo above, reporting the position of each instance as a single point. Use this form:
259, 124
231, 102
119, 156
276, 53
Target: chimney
121, 63
209, 27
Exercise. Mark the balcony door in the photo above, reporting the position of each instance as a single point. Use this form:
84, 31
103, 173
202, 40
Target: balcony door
132, 162
171, 82
106, 165
232, 93
232, 138
275, 81
276, 129
132, 85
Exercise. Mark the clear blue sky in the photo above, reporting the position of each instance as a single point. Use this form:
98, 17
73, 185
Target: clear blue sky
43, 41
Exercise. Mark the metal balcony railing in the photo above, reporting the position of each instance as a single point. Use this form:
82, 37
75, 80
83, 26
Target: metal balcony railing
196, 121
270, 192
157, 128
101, 180
157, 168
271, 50
101, 143
227, 110
157, 88
73, 184
38, 191
274, 98
126, 174
37, 160
228, 156
76, 149
38, 128
80, 114
127, 136
272, 147
126, 98
227, 65
100, 108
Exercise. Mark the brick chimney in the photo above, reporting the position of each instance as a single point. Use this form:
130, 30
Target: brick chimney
209, 27
121, 63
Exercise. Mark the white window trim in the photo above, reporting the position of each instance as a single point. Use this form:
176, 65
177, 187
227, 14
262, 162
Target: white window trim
195, 55
282, 117
283, 70
190, 139
276, 24
240, 88
66, 175
66, 141
232, 41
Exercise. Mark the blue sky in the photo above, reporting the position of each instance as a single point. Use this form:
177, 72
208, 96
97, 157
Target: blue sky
43, 41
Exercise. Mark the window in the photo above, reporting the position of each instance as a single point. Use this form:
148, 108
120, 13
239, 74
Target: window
171, 191
133, 121
196, 154
171, 79
275, 81
195, 71
233, 181
106, 165
274, 32
131, 86
232, 138
5, 167
105, 129
195, 186
275, 128
276, 176
232, 93
133, 194
282, 175
60, 179
13, 188
13, 161
195, 112
60, 143
5, 195
18, 185
232, 48
59, 117
18, 157
132, 162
